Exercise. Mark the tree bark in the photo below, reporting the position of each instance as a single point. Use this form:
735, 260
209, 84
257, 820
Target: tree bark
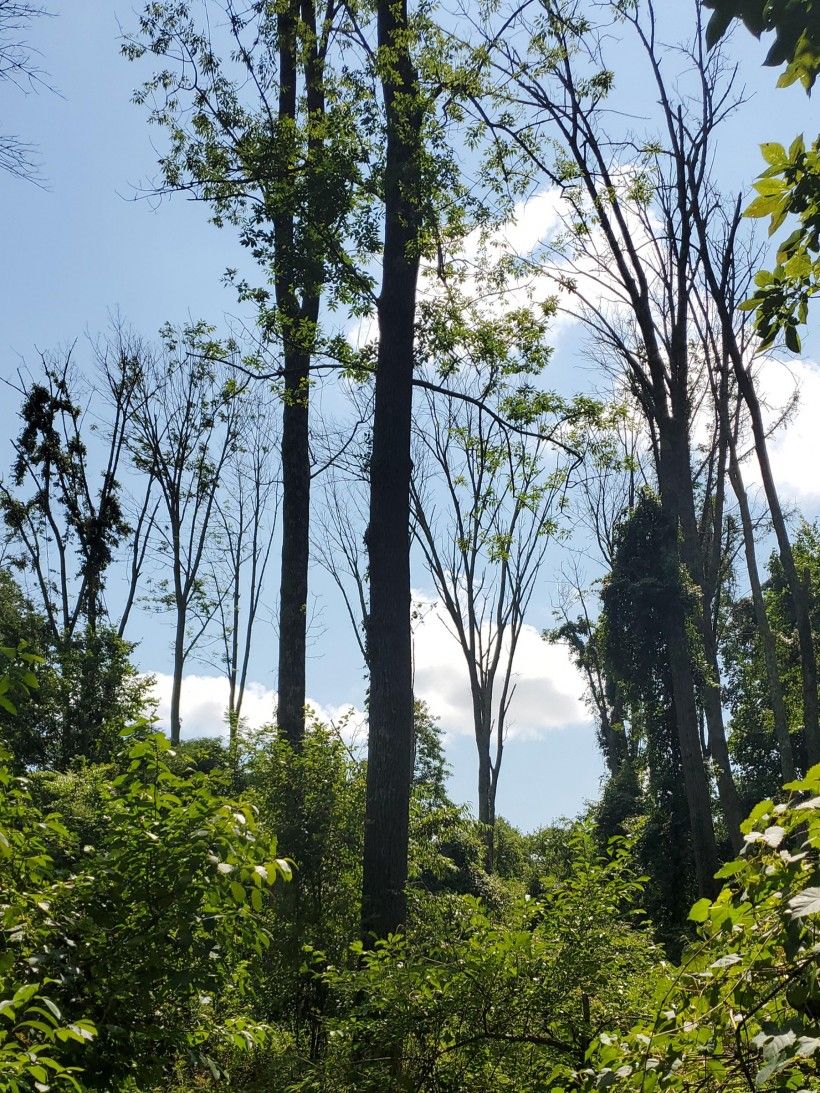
298, 332
295, 551
390, 741
176, 684
673, 481
679, 502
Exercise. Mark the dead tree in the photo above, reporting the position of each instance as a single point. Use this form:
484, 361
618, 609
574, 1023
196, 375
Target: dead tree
185, 429
626, 264
483, 510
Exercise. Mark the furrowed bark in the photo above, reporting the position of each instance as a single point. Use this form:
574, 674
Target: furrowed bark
390, 742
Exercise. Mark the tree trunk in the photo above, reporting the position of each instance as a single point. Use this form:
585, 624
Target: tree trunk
176, 685
486, 810
679, 503
797, 589
745, 383
675, 480
390, 741
781, 721
295, 551
694, 772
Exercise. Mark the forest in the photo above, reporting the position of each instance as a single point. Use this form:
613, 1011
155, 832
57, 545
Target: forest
514, 296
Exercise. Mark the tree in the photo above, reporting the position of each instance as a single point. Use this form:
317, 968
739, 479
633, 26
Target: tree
66, 520
718, 263
390, 738
642, 587
245, 522
65, 513
267, 133
483, 506
18, 67
718, 337
185, 430
627, 267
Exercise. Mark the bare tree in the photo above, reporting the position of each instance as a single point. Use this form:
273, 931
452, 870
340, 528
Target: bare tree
718, 256
67, 518
714, 338
18, 67
185, 430
246, 508
627, 263
483, 509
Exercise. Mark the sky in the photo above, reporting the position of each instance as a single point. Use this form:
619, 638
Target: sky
88, 244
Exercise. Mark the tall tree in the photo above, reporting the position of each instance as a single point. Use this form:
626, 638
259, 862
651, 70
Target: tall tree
264, 130
390, 739
245, 523
483, 507
185, 430
628, 271
718, 335
718, 259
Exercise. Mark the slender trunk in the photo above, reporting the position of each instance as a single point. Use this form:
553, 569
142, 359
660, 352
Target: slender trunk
695, 781
613, 728
299, 333
390, 741
485, 778
295, 550
718, 745
797, 588
486, 773
290, 714
495, 770
781, 721
176, 686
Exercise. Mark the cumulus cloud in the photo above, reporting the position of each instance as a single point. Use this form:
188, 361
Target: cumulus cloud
549, 688
794, 449
205, 700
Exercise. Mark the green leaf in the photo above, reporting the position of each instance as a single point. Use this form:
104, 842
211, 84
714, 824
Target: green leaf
700, 911
764, 205
805, 903
792, 339
773, 153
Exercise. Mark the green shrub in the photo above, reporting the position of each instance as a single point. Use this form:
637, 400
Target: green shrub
467, 1002
742, 1012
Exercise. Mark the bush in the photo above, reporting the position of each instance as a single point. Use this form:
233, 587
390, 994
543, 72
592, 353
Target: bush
466, 1002
147, 932
742, 1010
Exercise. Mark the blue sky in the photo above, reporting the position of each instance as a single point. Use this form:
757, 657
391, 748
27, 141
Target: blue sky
86, 244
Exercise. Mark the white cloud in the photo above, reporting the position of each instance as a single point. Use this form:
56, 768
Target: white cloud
794, 449
549, 688
548, 695
204, 703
